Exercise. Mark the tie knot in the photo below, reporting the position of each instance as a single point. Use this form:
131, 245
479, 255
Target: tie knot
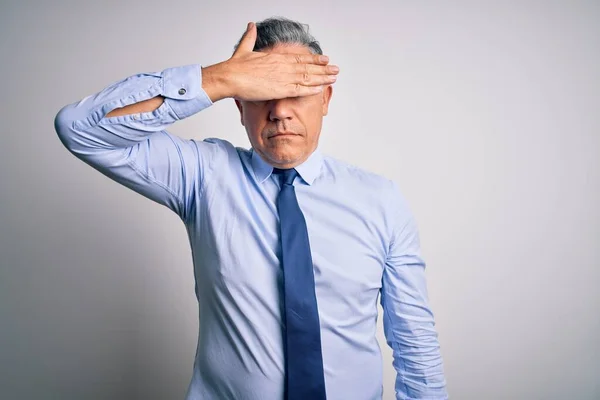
287, 176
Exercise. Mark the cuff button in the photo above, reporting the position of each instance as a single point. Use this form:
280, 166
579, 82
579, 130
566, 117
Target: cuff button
182, 91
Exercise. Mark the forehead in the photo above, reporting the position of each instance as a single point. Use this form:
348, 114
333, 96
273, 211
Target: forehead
288, 48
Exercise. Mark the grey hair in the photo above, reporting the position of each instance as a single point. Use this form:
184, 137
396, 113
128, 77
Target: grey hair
280, 30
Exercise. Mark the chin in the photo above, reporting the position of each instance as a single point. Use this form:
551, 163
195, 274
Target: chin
285, 157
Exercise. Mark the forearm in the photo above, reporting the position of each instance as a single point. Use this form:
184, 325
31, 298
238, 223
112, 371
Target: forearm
121, 132
143, 106
128, 111
214, 83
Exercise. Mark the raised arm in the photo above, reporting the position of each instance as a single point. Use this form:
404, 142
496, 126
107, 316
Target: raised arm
120, 131
408, 320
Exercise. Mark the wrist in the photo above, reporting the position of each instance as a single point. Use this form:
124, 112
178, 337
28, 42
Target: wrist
215, 82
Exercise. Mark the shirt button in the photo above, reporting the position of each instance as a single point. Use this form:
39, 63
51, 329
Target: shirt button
182, 91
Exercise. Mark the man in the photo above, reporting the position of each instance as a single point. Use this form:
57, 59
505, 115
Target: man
291, 247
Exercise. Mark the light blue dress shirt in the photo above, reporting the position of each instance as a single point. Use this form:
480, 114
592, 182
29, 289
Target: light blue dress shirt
363, 237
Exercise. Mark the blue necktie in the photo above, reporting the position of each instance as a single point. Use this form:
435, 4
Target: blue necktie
304, 362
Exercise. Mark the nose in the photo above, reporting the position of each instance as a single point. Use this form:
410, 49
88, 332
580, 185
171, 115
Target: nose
280, 109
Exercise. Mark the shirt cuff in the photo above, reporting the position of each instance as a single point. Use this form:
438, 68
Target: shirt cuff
182, 89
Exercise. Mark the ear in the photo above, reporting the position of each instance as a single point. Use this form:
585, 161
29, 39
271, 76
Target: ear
327, 92
241, 109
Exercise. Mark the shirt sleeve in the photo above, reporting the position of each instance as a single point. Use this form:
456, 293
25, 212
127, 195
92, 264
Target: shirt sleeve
135, 150
408, 322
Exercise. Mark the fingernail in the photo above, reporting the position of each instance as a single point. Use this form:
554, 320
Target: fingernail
324, 58
249, 26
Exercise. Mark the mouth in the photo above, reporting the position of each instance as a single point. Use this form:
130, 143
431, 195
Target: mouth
283, 134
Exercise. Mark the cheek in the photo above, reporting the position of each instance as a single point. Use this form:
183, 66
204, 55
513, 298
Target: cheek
312, 117
253, 118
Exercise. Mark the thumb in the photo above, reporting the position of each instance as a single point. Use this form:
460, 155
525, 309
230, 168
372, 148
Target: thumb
247, 43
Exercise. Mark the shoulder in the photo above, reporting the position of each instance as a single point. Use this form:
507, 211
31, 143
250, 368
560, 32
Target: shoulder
214, 144
345, 172
217, 148
375, 190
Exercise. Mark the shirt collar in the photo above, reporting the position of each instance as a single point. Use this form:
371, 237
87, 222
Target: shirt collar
308, 170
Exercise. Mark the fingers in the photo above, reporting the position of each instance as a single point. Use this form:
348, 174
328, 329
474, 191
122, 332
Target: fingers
247, 43
313, 75
313, 64
309, 79
305, 85
298, 90
308, 59
313, 80
315, 69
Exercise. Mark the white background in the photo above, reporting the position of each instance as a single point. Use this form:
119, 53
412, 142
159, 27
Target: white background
487, 115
